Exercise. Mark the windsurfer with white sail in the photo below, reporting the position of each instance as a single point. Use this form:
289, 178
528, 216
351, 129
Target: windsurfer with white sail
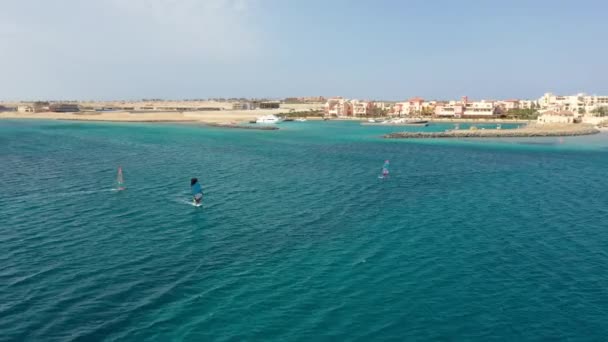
385, 169
120, 182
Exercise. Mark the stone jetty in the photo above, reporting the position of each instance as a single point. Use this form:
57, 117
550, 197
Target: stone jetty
533, 130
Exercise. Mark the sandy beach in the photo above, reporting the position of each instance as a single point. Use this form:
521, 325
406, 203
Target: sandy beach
159, 111
218, 117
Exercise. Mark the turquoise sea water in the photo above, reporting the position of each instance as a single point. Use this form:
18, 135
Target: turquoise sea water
298, 239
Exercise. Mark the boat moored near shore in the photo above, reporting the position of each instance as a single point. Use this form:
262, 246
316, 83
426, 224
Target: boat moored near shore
268, 119
397, 122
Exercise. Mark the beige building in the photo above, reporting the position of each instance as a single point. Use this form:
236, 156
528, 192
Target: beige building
383, 105
466, 108
557, 117
594, 102
411, 107
361, 108
527, 104
448, 110
507, 105
558, 103
243, 106
579, 103
25, 109
338, 106
33, 107
480, 108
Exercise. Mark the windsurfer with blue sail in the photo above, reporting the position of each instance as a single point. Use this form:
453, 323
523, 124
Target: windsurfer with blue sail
385, 169
197, 191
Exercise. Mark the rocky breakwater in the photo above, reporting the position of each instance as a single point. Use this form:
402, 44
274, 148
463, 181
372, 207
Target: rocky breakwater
532, 130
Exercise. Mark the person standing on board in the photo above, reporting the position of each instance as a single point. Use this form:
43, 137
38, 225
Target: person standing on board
197, 191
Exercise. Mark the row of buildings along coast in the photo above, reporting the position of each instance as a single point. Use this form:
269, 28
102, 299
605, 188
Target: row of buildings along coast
142, 106
549, 108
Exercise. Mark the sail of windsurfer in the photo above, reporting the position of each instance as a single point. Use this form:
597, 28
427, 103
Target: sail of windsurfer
385, 169
120, 182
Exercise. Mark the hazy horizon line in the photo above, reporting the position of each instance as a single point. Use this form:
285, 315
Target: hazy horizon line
242, 98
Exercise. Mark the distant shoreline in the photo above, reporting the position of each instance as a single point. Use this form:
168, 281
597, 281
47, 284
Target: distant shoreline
444, 120
240, 120
215, 117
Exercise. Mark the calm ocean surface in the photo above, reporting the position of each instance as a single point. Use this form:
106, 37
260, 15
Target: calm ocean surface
298, 239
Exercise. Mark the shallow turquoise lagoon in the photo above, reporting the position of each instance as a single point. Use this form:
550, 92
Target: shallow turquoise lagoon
298, 239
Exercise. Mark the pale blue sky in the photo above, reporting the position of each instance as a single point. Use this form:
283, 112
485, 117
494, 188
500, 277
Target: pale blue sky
384, 49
